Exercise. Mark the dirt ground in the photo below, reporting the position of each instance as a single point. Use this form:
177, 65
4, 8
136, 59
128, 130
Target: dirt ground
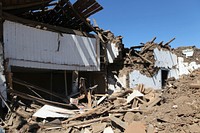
179, 111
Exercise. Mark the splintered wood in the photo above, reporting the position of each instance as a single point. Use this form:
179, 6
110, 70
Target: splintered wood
144, 60
111, 113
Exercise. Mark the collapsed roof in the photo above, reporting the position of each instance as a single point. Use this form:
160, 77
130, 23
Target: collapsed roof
55, 12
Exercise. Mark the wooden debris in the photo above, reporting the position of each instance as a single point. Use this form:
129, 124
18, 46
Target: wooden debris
120, 111
101, 99
134, 94
118, 121
90, 112
143, 58
87, 122
89, 100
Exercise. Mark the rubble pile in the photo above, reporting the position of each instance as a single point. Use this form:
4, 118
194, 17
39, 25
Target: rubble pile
144, 60
114, 112
181, 52
176, 108
180, 110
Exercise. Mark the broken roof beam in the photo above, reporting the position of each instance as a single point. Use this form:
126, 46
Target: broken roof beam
28, 85
23, 4
152, 41
146, 60
92, 9
39, 100
169, 41
81, 17
31, 23
85, 8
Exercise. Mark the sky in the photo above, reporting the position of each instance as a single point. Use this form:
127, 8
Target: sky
141, 20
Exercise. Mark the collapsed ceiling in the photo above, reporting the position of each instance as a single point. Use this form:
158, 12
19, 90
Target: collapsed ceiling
55, 12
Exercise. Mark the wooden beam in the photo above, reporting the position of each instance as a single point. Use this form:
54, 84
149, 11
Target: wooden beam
169, 41
29, 5
90, 112
80, 16
39, 100
87, 121
20, 82
31, 23
143, 58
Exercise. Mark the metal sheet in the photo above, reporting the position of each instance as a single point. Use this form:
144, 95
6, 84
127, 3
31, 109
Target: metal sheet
31, 47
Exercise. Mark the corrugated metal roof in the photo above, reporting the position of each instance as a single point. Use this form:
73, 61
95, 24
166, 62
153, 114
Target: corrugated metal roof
30, 47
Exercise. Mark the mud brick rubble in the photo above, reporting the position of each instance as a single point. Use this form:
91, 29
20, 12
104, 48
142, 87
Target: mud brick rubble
195, 57
176, 108
143, 60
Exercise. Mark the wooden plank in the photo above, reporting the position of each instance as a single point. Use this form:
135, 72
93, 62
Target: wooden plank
90, 9
49, 27
143, 58
81, 17
118, 121
89, 100
124, 111
169, 41
90, 112
14, 6
39, 100
84, 5
87, 122
78, 3
20, 82
146, 48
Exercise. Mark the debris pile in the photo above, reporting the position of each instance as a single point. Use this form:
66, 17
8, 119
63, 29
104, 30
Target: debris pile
180, 110
190, 54
144, 60
115, 112
173, 109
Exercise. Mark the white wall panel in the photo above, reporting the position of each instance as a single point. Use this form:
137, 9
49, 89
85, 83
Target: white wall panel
164, 59
31, 47
112, 52
135, 78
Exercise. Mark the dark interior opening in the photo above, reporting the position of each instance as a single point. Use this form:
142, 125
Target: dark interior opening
164, 75
53, 81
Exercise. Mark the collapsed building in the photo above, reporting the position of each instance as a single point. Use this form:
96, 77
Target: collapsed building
49, 45
50, 50
152, 64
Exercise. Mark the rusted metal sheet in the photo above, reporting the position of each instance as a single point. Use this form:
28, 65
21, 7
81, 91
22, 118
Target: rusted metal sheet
35, 48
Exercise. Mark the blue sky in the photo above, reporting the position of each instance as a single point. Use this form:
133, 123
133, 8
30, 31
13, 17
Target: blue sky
141, 20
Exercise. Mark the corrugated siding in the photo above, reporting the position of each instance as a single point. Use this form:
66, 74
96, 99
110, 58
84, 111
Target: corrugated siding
31, 47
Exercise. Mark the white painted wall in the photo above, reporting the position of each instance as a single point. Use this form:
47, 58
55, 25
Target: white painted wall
167, 60
35, 48
135, 78
3, 89
112, 52
164, 59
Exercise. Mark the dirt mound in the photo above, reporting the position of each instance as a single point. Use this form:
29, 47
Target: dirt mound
180, 111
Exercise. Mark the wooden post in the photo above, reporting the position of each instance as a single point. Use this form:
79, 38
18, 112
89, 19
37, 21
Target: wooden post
65, 75
51, 84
